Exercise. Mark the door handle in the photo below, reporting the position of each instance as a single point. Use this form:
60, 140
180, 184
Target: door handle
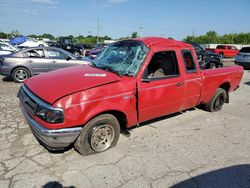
29, 61
180, 84
53, 61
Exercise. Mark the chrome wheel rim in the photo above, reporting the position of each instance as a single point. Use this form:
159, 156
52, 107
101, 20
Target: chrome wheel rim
101, 137
21, 75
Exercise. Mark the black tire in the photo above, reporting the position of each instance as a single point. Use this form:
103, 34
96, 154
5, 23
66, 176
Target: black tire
20, 74
212, 65
76, 53
103, 130
217, 101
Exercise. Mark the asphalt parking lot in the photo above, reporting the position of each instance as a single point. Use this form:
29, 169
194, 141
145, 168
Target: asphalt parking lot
189, 149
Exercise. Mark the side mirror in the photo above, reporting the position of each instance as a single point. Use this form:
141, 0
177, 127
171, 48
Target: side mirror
145, 79
68, 58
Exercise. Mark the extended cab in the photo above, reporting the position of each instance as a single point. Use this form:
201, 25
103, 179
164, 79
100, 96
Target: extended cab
132, 81
224, 50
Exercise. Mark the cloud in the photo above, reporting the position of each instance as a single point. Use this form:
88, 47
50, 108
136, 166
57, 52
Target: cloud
31, 12
46, 2
105, 3
116, 1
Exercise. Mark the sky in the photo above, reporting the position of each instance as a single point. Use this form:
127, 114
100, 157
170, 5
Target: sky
119, 18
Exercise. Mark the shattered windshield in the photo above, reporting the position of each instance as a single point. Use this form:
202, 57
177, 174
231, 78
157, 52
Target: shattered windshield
123, 58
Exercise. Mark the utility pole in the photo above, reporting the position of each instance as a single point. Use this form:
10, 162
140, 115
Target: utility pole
98, 29
140, 27
193, 35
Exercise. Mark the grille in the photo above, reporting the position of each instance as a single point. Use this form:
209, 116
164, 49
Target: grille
27, 102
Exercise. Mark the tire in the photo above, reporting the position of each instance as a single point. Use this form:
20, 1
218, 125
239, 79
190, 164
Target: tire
217, 101
212, 65
20, 74
76, 53
98, 135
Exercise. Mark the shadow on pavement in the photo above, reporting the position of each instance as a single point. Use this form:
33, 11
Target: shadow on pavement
7, 79
162, 118
247, 83
233, 176
55, 184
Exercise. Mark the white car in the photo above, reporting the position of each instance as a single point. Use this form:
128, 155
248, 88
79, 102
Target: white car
32, 43
7, 48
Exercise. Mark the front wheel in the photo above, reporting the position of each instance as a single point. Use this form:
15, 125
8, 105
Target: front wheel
217, 101
20, 74
99, 134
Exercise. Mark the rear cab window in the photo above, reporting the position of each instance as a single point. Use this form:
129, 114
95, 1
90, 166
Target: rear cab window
188, 61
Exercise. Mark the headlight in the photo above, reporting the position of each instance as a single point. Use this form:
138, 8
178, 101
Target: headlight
50, 115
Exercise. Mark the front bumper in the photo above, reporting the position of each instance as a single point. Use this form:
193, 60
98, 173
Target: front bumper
5, 71
53, 139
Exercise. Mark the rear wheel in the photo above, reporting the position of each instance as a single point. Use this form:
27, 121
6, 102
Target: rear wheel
212, 66
20, 74
99, 134
217, 101
76, 53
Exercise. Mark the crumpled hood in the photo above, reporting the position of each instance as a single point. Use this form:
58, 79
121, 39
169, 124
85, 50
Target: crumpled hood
56, 84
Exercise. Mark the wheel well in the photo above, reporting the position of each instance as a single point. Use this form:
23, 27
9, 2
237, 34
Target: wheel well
19, 67
226, 87
120, 116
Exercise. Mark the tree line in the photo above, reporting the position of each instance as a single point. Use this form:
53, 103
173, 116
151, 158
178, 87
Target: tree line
212, 37
208, 38
77, 39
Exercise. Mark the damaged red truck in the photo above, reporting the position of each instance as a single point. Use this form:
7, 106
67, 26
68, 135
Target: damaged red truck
132, 81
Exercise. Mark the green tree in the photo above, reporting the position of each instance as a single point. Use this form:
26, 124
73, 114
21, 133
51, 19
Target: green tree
134, 35
213, 37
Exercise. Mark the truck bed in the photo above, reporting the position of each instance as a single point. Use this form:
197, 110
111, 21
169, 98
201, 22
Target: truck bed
214, 78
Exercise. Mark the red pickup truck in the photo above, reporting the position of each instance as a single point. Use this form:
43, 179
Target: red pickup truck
224, 50
132, 81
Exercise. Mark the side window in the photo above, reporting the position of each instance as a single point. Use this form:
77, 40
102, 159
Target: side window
55, 54
188, 61
234, 48
36, 53
162, 65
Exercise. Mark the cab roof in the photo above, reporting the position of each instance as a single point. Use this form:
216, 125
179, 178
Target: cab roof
154, 42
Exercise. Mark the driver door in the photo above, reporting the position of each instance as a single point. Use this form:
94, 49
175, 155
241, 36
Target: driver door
161, 90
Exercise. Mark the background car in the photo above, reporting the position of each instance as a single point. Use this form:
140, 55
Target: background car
27, 42
207, 59
6, 48
97, 50
243, 57
32, 61
33, 43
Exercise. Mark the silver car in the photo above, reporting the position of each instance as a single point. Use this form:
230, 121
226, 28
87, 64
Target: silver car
32, 61
6, 48
243, 58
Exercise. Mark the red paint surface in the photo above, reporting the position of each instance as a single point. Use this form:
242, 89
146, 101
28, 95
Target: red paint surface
227, 52
83, 98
